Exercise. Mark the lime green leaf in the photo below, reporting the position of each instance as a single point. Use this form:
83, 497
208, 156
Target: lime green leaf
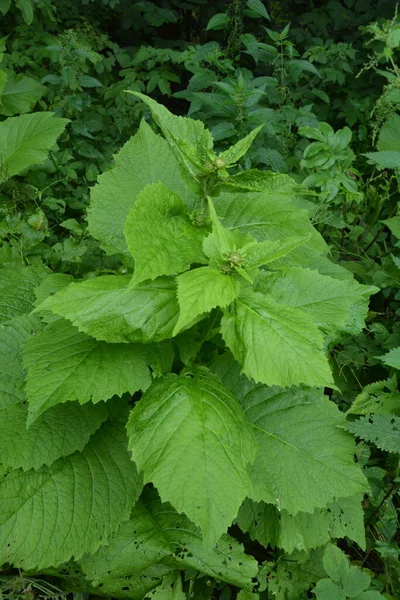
327, 301
327, 590
36, 504
304, 531
392, 358
387, 159
17, 285
156, 533
60, 431
13, 336
235, 152
160, 235
190, 428
381, 430
169, 589
394, 225
336, 563
20, 94
50, 285
26, 140
105, 309
189, 140
115, 193
301, 447
266, 252
201, 290
389, 136
218, 21
375, 399
64, 364
275, 344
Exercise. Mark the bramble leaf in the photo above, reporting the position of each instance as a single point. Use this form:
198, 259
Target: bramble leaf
190, 428
392, 358
381, 430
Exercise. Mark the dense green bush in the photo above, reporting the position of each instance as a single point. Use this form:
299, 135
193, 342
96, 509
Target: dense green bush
199, 299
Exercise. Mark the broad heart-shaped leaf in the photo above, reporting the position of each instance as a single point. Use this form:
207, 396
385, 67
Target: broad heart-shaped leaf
336, 563
190, 141
305, 458
326, 589
160, 235
157, 534
60, 431
26, 140
235, 152
70, 508
105, 309
13, 336
145, 159
201, 290
275, 344
327, 301
272, 215
392, 358
64, 364
381, 430
303, 531
17, 285
20, 94
190, 438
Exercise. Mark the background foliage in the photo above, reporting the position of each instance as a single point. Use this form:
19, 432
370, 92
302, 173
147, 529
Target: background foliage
322, 80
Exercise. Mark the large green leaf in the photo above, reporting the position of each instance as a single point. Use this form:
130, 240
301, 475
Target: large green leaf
26, 140
189, 436
275, 344
105, 309
17, 285
201, 290
70, 508
392, 358
304, 531
20, 94
160, 235
64, 364
60, 431
327, 301
156, 533
387, 159
305, 458
145, 158
13, 336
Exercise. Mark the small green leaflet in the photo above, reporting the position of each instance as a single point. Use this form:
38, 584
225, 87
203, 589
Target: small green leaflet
201, 290
105, 309
392, 358
302, 447
114, 195
64, 364
190, 428
235, 152
381, 430
25, 141
380, 397
13, 336
303, 531
275, 344
35, 504
326, 589
60, 431
160, 235
157, 534
295, 576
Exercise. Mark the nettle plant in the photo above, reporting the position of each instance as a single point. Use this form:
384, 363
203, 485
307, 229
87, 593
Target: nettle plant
142, 414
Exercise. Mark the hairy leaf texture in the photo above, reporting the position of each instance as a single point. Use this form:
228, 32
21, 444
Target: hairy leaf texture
201, 290
25, 141
160, 235
70, 508
305, 458
17, 285
145, 159
64, 364
157, 534
190, 438
105, 309
274, 343
60, 431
